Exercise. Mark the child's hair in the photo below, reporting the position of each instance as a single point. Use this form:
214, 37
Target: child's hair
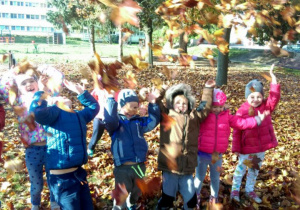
180, 89
254, 86
219, 98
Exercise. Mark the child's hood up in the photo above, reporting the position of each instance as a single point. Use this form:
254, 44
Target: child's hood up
180, 89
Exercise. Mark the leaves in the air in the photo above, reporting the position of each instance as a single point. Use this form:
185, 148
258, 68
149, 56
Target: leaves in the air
130, 80
126, 12
171, 152
149, 186
120, 194
278, 52
167, 122
267, 77
215, 157
3, 57
12, 94
19, 110
157, 49
13, 166
252, 162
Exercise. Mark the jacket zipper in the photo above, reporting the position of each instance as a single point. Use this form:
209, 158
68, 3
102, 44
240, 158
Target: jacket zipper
216, 131
82, 141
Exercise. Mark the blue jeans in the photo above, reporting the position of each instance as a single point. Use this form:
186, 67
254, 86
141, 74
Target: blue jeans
35, 158
71, 190
214, 175
172, 183
98, 129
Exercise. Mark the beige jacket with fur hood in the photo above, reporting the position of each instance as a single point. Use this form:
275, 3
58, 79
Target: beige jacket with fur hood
179, 145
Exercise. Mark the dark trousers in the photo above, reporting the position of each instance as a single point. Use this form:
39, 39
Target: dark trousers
71, 190
98, 129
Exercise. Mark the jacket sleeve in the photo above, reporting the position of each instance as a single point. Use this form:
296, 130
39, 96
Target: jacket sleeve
43, 114
241, 123
91, 106
159, 102
206, 103
237, 136
274, 96
150, 122
111, 115
2, 117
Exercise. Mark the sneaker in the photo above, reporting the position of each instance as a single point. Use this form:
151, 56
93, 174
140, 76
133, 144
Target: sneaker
235, 195
90, 152
252, 195
198, 201
213, 200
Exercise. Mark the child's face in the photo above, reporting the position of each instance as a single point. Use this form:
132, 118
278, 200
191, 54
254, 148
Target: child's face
29, 86
217, 109
180, 104
255, 99
130, 109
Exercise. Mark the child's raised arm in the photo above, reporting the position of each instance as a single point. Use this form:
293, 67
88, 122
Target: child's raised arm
206, 101
274, 80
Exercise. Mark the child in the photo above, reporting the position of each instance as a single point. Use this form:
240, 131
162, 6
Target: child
2, 124
252, 143
213, 137
177, 158
129, 147
33, 138
98, 124
66, 146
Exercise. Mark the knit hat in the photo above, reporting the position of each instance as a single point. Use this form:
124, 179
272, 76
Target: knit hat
219, 98
254, 86
19, 78
127, 95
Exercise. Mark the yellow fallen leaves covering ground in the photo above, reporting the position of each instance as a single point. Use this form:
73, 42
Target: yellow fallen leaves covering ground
278, 182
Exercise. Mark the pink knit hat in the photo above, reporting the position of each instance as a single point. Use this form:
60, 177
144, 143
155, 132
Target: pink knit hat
219, 98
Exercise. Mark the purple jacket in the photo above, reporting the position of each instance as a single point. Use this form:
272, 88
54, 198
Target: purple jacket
215, 130
262, 138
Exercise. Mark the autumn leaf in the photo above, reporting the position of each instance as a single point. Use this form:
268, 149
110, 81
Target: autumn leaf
157, 49
1, 148
172, 151
3, 57
186, 60
120, 194
157, 82
126, 12
207, 36
278, 52
215, 157
167, 122
12, 95
149, 186
19, 110
267, 77
130, 80
253, 162
251, 111
13, 166
29, 121
63, 106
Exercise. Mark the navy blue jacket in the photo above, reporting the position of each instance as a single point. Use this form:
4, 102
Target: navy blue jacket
66, 140
128, 142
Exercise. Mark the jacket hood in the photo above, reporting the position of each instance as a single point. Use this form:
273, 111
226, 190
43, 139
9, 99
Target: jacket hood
180, 89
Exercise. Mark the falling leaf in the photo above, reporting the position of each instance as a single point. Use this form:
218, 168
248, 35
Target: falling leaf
267, 77
157, 82
215, 157
13, 166
253, 162
207, 36
12, 95
126, 12
19, 110
279, 52
120, 194
171, 151
167, 122
157, 49
149, 186
130, 80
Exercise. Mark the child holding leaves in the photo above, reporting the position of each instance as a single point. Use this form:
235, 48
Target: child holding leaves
177, 158
17, 88
129, 147
251, 144
213, 141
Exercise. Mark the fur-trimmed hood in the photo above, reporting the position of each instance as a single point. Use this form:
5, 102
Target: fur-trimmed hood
180, 89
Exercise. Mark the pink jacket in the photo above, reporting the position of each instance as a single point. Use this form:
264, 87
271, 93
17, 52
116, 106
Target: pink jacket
215, 130
262, 138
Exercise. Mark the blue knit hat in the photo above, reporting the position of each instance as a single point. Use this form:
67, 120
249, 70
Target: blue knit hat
254, 86
127, 95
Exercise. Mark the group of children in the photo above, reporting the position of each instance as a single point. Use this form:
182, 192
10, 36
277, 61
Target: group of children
59, 139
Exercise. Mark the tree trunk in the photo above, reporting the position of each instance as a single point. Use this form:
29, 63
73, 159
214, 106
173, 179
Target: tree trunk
149, 32
92, 40
182, 44
120, 45
223, 60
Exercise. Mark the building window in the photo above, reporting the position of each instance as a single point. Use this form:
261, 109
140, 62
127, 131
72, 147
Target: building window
4, 2
43, 17
20, 16
20, 3
27, 16
5, 15
28, 4
13, 16
17, 28
4, 27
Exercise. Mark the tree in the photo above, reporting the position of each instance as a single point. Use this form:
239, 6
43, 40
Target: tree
148, 21
78, 14
227, 15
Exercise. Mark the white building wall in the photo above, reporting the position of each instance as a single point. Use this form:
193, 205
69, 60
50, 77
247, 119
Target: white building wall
25, 17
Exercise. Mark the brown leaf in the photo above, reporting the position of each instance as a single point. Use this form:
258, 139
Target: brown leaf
19, 110
149, 186
167, 122
267, 77
120, 194
29, 121
215, 157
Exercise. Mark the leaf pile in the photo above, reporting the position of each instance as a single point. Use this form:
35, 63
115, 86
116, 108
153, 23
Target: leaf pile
278, 180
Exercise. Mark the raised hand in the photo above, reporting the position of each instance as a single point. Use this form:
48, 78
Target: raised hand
153, 95
75, 87
210, 83
274, 80
263, 115
42, 83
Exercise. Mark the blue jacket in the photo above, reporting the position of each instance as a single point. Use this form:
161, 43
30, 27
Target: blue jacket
66, 140
128, 142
